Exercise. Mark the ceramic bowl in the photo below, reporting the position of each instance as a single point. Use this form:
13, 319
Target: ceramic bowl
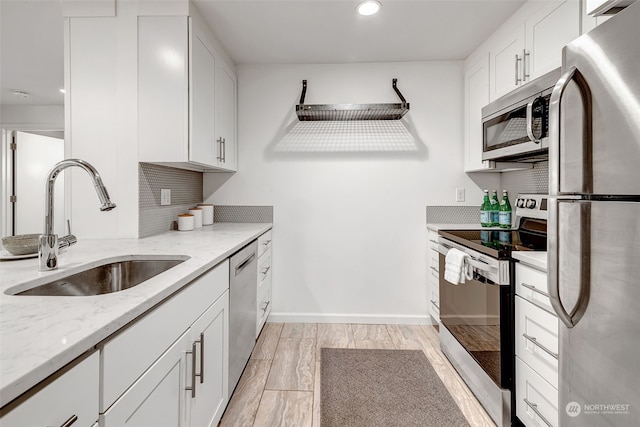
23, 244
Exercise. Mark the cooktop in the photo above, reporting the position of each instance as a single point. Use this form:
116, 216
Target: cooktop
498, 243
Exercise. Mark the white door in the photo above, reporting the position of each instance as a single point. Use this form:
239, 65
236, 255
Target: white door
202, 144
226, 109
211, 335
547, 32
157, 398
35, 156
506, 64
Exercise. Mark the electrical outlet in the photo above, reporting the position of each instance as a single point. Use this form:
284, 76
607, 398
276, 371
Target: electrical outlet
459, 194
165, 197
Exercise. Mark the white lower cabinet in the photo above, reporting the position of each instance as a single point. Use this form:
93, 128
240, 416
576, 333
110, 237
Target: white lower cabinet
264, 280
536, 336
179, 375
71, 394
433, 275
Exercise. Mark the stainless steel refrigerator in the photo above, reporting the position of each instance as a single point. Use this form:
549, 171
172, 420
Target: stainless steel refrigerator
594, 224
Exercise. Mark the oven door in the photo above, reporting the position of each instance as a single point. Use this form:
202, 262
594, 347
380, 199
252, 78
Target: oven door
479, 315
518, 131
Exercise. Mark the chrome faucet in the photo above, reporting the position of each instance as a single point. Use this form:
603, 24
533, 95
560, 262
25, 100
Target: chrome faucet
48, 243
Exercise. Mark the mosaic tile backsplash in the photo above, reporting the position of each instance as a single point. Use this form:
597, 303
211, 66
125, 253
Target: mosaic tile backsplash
186, 192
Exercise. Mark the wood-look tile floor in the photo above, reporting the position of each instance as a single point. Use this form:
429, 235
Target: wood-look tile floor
280, 387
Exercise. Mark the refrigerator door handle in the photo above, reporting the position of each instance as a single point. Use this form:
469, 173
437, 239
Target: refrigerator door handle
555, 128
570, 319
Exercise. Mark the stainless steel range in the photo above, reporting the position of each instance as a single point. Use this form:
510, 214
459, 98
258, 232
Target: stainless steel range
477, 316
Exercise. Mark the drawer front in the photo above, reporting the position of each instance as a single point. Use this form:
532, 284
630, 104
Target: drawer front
264, 269
537, 339
531, 284
264, 308
264, 243
536, 399
73, 393
154, 333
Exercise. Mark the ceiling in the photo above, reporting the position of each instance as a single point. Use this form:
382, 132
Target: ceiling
264, 32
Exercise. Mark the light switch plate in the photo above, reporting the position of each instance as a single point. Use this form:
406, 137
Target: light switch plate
165, 197
459, 194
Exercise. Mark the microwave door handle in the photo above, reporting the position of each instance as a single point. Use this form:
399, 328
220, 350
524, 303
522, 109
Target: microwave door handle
555, 128
529, 121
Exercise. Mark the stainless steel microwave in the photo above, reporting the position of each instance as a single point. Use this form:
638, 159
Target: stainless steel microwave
515, 127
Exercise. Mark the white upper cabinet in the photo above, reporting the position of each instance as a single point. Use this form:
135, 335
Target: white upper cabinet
506, 63
534, 46
226, 135
546, 33
180, 113
476, 96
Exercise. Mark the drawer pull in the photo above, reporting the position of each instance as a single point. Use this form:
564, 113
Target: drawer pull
70, 421
201, 357
266, 270
433, 268
543, 348
193, 370
266, 242
534, 289
542, 307
264, 310
534, 408
435, 304
433, 241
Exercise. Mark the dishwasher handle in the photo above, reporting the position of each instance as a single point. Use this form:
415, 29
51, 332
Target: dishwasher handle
244, 263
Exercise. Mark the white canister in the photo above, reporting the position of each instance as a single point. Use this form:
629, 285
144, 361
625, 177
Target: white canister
207, 213
197, 217
185, 222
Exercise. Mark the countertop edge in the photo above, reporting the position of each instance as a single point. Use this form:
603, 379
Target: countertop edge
30, 377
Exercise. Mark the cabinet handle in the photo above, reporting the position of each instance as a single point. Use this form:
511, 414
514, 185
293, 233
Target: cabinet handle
201, 357
434, 304
534, 407
433, 241
518, 79
70, 421
525, 75
535, 342
224, 150
433, 268
264, 310
266, 270
534, 289
266, 242
219, 141
193, 370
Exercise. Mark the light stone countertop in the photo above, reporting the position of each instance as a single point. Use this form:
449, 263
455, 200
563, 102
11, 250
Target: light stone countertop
41, 334
534, 259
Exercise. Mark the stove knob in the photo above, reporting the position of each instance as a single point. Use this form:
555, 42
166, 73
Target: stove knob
531, 203
520, 203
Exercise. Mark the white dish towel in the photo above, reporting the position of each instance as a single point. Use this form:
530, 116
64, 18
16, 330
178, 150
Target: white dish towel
456, 269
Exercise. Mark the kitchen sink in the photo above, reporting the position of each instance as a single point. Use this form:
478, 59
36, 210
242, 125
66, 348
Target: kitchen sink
113, 276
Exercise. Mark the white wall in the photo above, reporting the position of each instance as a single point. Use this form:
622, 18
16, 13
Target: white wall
349, 228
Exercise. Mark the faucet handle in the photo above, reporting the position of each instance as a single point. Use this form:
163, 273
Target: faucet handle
69, 226
66, 241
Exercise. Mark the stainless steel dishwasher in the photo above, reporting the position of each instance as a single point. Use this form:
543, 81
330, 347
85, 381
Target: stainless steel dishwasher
243, 273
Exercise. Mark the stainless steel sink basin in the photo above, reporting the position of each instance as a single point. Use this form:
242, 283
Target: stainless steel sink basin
113, 276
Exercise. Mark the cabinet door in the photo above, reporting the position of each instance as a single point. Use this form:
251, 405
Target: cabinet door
227, 113
71, 394
157, 398
506, 64
547, 31
476, 96
202, 145
163, 95
210, 333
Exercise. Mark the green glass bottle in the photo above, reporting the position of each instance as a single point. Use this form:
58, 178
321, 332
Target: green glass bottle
495, 209
485, 211
505, 211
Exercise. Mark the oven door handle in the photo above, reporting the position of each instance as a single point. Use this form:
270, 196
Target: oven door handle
443, 248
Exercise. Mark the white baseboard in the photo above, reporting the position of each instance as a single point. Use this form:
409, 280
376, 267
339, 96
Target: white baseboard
374, 319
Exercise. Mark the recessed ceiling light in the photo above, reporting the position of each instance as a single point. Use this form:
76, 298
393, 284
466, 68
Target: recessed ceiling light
369, 7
